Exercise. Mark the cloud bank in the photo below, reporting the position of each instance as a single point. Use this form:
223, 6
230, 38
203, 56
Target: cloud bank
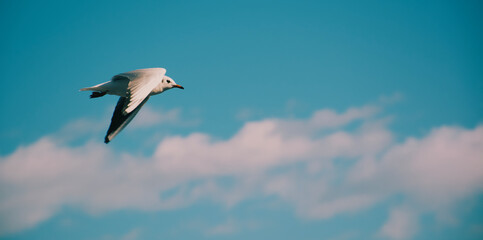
328, 164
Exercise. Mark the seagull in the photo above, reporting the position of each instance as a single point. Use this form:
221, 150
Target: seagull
134, 88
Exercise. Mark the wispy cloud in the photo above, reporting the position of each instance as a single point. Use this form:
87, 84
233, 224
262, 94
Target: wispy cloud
231, 226
148, 117
402, 224
245, 114
132, 235
345, 162
227, 227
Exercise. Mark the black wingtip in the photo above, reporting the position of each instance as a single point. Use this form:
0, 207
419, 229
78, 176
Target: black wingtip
97, 94
106, 140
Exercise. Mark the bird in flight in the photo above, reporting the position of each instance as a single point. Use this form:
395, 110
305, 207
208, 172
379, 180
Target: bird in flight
134, 88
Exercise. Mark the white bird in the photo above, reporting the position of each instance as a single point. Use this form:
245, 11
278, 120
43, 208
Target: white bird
134, 89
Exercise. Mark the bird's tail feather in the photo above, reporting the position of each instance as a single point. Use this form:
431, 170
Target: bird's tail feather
98, 87
97, 92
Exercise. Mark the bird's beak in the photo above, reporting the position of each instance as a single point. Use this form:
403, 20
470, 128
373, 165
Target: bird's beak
178, 86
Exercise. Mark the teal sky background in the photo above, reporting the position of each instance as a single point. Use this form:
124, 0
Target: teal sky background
418, 62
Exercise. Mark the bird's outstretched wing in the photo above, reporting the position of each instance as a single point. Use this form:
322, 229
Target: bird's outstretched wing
141, 83
120, 120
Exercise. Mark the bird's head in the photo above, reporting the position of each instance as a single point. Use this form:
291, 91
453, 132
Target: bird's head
169, 83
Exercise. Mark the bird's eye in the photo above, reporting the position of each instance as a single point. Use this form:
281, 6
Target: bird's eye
168, 81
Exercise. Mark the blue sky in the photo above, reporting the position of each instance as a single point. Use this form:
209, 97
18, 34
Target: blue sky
299, 120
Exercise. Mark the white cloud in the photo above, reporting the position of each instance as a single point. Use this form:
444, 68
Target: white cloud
434, 172
439, 169
329, 164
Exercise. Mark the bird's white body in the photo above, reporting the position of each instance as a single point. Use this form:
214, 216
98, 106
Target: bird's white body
134, 88
119, 85
119, 88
